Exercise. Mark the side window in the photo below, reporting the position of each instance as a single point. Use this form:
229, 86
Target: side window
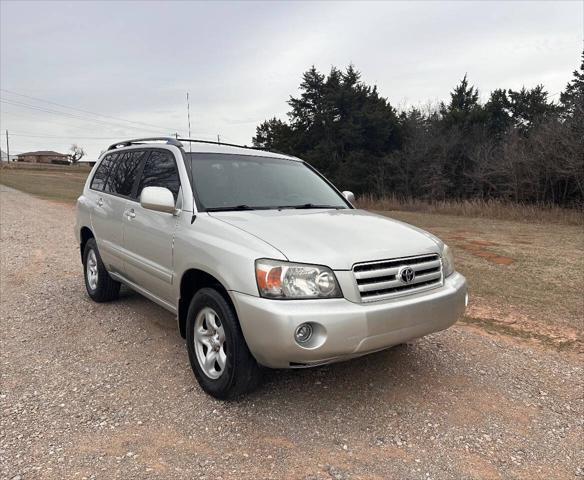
160, 171
121, 182
102, 172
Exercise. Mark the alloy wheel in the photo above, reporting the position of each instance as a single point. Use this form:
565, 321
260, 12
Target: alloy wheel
210, 343
91, 270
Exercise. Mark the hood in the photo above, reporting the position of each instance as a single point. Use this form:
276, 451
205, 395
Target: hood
335, 238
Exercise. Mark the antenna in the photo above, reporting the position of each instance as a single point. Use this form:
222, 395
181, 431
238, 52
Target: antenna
7, 148
189, 117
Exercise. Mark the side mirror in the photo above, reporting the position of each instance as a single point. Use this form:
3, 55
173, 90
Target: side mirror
159, 199
349, 196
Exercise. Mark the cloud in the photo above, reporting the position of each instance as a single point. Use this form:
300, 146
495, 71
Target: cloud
241, 61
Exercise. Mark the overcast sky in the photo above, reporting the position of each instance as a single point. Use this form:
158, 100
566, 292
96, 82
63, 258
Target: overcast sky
241, 61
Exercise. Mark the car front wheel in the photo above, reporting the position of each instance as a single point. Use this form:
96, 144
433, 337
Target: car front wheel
220, 359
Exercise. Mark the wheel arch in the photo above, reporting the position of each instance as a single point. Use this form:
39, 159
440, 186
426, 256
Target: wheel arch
85, 235
192, 280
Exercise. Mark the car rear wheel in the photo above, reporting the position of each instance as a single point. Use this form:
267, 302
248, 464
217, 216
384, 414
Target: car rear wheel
220, 359
100, 286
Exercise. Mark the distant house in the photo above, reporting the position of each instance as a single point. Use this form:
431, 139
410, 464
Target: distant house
43, 156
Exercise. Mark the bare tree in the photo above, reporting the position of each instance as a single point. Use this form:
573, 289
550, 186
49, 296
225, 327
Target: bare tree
77, 153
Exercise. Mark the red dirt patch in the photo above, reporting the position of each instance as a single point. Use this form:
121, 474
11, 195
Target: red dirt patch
493, 257
500, 260
510, 322
483, 243
479, 249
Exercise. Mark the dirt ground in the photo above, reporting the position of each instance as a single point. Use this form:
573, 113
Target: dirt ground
105, 390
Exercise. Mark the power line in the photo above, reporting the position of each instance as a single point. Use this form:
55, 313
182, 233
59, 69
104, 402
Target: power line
61, 136
75, 135
20, 133
72, 137
86, 111
55, 122
27, 117
70, 115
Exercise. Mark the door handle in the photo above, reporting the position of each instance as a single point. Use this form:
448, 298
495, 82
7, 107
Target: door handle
130, 213
100, 202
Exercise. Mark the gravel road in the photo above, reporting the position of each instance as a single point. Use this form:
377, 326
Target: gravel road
106, 391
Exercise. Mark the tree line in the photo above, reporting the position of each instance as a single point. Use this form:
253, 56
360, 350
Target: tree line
518, 145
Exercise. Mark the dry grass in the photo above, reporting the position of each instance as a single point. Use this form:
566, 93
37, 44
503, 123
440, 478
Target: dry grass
478, 209
77, 167
521, 274
61, 184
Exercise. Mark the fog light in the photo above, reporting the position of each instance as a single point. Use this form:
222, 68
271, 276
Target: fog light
303, 333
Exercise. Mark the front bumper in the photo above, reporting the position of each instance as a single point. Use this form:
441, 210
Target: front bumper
344, 329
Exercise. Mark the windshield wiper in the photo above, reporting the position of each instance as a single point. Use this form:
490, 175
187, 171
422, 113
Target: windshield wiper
311, 205
234, 208
238, 208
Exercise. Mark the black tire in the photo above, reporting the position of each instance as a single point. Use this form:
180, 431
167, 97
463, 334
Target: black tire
106, 289
241, 373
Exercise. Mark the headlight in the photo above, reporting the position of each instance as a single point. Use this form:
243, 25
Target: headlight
447, 261
277, 279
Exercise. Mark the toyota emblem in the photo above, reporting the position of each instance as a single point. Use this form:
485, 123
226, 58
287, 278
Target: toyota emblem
407, 274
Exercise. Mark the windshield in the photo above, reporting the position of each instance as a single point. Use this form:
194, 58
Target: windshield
246, 182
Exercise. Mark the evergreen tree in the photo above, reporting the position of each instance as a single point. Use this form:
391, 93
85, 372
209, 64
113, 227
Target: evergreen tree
274, 135
531, 107
497, 113
518, 145
464, 108
572, 99
340, 125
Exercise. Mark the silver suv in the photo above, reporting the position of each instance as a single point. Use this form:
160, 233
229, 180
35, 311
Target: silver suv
263, 261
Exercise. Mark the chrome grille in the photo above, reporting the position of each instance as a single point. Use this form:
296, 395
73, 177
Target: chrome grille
379, 280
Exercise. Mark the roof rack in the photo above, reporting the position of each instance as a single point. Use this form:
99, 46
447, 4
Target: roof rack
127, 143
176, 141
212, 142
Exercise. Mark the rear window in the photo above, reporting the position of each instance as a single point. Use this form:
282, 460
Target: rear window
121, 181
102, 173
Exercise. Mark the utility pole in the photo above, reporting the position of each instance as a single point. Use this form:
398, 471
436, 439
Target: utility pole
218, 139
7, 148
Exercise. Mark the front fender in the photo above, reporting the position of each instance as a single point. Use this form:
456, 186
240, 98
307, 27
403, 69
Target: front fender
221, 250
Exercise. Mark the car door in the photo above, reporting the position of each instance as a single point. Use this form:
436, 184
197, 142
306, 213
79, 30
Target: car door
149, 235
106, 214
